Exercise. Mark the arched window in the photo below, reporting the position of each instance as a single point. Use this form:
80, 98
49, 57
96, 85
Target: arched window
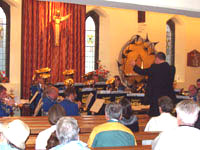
4, 38
91, 41
170, 43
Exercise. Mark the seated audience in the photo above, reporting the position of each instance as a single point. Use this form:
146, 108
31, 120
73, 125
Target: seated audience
184, 137
197, 123
67, 131
5, 103
128, 118
54, 114
198, 84
15, 134
71, 108
50, 98
193, 92
165, 121
52, 141
112, 133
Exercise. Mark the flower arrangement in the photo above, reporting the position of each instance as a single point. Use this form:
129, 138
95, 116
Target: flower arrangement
3, 78
102, 73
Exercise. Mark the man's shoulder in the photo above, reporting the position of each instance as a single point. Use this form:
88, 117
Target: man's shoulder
112, 126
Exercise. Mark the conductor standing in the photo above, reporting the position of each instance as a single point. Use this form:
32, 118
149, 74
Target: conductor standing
160, 81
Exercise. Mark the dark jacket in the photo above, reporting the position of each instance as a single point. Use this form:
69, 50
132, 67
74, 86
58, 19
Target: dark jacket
160, 83
131, 123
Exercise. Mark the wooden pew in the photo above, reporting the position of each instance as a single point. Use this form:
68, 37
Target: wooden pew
84, 137
140, 147
86, 123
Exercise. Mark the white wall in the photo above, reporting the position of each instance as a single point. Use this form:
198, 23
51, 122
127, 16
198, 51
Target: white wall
118, 25
15, 46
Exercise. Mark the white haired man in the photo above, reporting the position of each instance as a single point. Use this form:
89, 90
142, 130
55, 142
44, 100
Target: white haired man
184, 137
67, 133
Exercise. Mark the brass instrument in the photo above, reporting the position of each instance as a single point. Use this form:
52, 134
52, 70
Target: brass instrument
43, 73
69, 75
110, 81
69, 82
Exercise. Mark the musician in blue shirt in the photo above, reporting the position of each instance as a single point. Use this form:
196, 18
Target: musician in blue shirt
37, 87
71, 108
50, 98
5, 103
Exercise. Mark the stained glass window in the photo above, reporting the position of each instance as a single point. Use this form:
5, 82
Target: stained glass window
170, 42
91, 42
4, 38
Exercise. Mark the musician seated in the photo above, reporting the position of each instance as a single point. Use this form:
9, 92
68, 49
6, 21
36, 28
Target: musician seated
5, 103
50, 98
71, 108
37, 86
15, 134
193, 92
117, 85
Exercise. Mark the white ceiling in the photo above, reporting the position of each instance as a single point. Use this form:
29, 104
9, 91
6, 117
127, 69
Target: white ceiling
182, 7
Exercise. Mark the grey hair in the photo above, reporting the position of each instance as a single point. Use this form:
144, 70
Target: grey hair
113, 111
67, 130
187, 110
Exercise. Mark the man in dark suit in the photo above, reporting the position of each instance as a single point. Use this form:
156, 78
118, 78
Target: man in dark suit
160, 81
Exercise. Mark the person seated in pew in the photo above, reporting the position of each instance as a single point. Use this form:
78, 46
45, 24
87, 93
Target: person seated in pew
5, 103
113, 133
128, 118
197, 123
54, 114
165, 121
52, 141
50, 98
71, 108
185, 136
15, 135
67, 132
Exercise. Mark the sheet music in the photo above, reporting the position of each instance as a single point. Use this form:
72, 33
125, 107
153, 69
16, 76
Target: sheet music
89, 98
97, 105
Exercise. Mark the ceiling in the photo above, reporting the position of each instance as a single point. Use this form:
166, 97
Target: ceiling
182, 7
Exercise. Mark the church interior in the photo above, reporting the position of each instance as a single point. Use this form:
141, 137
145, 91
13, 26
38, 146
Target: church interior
88, 58
116, 27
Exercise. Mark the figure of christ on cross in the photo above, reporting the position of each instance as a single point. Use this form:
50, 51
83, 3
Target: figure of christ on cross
58, 19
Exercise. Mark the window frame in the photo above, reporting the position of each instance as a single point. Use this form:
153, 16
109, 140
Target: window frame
6, 9
95, 17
